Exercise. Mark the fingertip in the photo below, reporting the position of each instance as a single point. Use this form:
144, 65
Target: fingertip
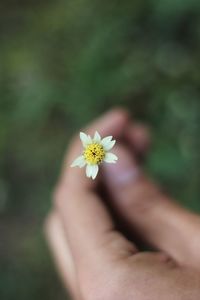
126, 170
122, 112
112, 122
139, 137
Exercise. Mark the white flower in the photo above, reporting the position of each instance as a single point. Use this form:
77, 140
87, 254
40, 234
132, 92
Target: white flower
94, 153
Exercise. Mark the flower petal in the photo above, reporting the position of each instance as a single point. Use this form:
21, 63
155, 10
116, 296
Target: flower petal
109, 145
97, 137
95, 169
79, 162
110, 158
89, 170
89, 140
85, 139
106, 140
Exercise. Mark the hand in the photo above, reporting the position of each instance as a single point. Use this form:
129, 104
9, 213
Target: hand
95, 259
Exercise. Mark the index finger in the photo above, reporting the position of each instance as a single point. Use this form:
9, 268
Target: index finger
88, 224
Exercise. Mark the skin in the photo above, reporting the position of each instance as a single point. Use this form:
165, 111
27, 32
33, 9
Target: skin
94, 259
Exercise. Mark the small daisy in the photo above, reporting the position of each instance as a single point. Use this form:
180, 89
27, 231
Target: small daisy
94, 153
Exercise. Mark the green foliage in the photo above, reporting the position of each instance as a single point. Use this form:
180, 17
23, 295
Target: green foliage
62, 64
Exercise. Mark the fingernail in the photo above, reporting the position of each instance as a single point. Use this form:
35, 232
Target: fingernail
124, 171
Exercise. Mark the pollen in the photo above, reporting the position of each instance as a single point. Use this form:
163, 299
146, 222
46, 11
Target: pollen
94, 153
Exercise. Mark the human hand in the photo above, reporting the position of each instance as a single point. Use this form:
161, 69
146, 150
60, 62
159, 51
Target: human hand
95, 259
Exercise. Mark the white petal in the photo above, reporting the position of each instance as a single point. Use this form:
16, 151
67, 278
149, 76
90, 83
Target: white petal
97, 137
89, 170
110, 158
79, 162
89, 140
95, 170
109, 145
85, 139
106, 141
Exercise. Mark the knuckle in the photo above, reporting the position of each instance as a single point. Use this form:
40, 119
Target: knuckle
116, 246
108, 284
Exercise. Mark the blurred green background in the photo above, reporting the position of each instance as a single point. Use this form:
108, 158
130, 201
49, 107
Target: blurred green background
64, 62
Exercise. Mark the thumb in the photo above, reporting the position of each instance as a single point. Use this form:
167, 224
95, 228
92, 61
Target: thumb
158, 220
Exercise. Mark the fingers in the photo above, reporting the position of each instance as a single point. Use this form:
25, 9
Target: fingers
58, 243
159, 220
112, 123
90, 230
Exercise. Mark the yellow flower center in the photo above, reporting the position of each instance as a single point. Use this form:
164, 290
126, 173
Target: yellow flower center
94, 154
